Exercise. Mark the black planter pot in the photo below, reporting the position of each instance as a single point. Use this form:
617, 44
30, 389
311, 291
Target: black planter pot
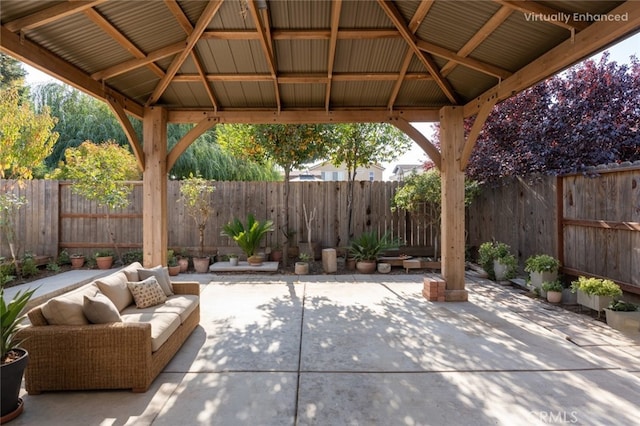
10, 381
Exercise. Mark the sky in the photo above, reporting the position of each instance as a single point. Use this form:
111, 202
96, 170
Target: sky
620, 53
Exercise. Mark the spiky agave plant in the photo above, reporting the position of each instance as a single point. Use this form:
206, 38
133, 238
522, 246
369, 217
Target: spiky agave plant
10, 319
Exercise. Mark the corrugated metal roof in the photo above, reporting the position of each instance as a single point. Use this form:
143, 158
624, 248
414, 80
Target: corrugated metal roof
369, 53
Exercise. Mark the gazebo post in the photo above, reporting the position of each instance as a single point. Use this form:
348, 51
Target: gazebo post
453, 211
154, 184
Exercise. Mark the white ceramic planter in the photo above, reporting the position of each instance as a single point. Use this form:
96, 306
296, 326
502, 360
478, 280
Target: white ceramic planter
500, 270
623, 321
537, 278
597, 303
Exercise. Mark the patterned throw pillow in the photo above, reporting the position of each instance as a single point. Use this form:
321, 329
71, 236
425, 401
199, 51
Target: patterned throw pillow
100, 309
147, 292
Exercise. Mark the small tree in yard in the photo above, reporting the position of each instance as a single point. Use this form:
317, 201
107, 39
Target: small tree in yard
195, 195
100, 172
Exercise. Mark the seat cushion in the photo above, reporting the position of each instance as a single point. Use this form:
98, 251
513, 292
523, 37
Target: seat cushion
99, 309
114, 286
163, 325
182, 305
68, 309
162, 276
147, 292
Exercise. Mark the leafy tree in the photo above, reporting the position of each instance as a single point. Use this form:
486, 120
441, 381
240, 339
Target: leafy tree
362, 145
422, 193
586, 116
11, 72
288, 146
25, 140
100, 172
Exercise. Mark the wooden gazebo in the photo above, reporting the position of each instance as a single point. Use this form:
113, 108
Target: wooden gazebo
276, 61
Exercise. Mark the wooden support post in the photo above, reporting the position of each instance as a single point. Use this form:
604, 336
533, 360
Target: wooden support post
452, 142
154, 183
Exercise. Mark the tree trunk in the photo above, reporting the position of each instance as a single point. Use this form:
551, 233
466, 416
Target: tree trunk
285, 224
116, 249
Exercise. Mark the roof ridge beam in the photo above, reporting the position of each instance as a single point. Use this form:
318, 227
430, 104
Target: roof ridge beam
50, 14
266, 42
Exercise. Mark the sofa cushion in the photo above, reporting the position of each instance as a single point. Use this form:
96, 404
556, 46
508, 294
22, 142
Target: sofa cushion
162, 276
131, 271
147, 292
67, 309
182, 305
163, 325
99, 309
114, 286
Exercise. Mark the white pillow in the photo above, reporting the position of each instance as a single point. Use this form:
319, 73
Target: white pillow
147, 292
162, 276
100, 309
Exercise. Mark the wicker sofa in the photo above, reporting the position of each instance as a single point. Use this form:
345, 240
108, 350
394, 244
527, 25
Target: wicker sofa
116, 355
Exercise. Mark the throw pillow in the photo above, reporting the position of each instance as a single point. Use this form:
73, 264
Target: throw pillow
162, 276
147, 292
114, 286
100, 309
64, 312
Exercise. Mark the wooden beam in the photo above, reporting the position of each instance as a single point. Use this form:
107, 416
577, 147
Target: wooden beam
314, 34
394, 15
203, 79
154, 188
419, 15
333, 41
42, 59
287, 78
453, 208
210, 10
531, 7
597, 36
306, 116
121, 39
424, 143
474, 64
481, 118
50, 14
132, 64
267, 47
178, 13
603, 224
129, 131
481, 35
188, 139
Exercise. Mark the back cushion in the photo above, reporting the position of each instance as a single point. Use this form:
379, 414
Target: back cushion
67, 309
114, 286
131, 271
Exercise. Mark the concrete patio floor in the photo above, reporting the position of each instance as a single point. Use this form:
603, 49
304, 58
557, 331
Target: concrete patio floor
370, 350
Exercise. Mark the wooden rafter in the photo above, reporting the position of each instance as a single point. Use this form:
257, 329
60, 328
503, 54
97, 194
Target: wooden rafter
481, 35
120, 38
50, 14
315, 34
595, 37
392, 12
414, 24
129, 131
333, 41
132, 64
267, 46
178, 13
188, 139
470, 143
539, 9
424, 143
210, 10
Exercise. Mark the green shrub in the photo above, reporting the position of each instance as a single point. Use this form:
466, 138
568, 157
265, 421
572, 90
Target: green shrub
28, 267
64, 258
132, 256
494, 250
541, 263
620, 306
552, 286
596, 287
53, 266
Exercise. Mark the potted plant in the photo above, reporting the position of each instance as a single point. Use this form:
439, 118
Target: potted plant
14, 358
595, 293
77, 260
302, 267
623, 316
172, 264
366, 249
194, 193
497, 261
276, 253
233, 259
248, 236
541, 268
104, 259
553, 290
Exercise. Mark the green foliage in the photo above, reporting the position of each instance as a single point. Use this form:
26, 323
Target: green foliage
596, 287
53, 267
132, 256
26, 137
368, 246
28, 267
195, 192
620, 306
304, 257
249, 236
103, 253
7, 272
494, 250
541, 263
64, 258
552, 286
11, 72
11, 317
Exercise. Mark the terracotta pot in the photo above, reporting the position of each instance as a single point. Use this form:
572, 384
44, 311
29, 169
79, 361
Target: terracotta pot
201, 264
350, 264
174, 270
366, 266
104, 262
301, 268
255, 260
554, 296
77, 262
183, 262
276, 255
